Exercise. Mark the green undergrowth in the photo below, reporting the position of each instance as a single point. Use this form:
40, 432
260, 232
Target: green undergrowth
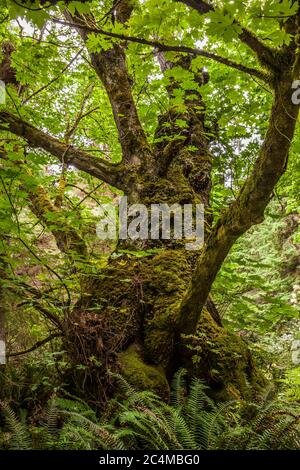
141, 420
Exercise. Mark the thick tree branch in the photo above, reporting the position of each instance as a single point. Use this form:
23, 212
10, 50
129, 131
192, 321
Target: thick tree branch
109, 173
110, 66
248, 208
199, 161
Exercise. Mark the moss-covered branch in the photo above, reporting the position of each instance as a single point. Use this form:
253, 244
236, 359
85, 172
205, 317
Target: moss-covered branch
109, 173
248, 208
110, 66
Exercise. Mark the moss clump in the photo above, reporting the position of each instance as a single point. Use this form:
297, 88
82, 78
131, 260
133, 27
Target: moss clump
167, 279
114, 301
160, 191
174, 188
141, 375
224, 360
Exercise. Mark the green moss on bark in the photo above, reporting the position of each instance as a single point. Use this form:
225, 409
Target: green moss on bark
141, 375
168, 275
224, 360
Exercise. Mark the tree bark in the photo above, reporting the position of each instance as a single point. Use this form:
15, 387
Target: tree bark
146, 317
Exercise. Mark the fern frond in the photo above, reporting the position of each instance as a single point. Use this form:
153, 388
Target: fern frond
20, 438
184, 434
178, 389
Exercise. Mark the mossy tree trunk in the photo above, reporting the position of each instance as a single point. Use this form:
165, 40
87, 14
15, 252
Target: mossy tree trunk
149, 316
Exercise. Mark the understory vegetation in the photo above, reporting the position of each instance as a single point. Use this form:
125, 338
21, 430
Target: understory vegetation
142, 421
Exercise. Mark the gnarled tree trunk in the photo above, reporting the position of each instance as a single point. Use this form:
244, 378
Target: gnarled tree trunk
146, 317
130, 317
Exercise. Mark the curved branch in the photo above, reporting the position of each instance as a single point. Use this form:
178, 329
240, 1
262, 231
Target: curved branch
109, 173
37, 345
248, 208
